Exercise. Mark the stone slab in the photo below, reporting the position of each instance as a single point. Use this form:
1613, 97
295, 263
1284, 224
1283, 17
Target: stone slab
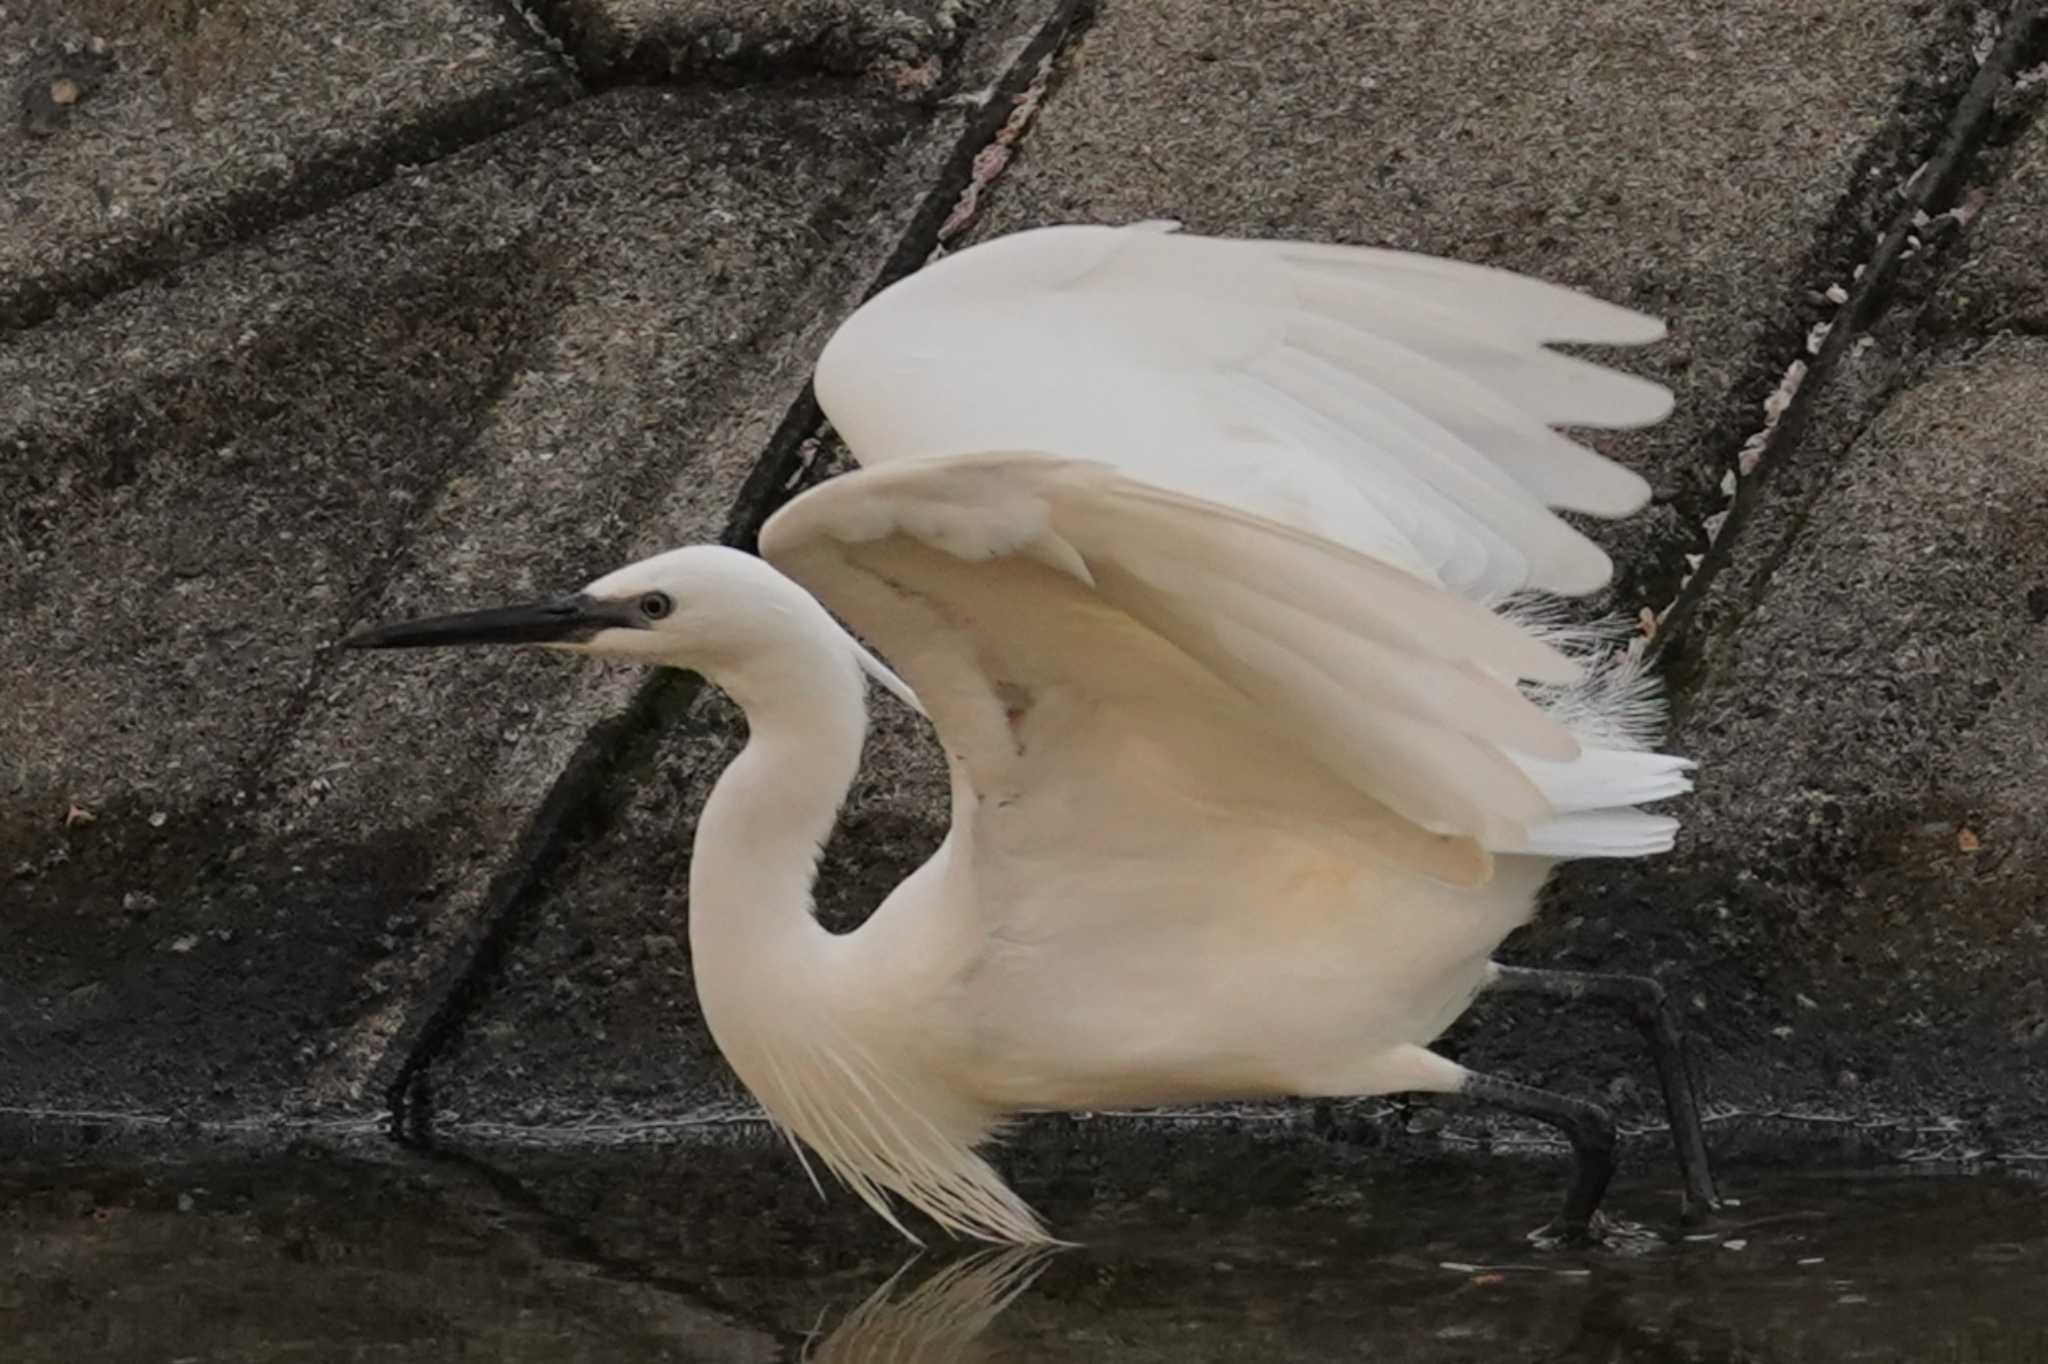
493, 378
1684, 160
141, 135
903, 41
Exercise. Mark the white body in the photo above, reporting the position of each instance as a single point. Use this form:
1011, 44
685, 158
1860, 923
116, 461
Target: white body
1191, 550
1249, 966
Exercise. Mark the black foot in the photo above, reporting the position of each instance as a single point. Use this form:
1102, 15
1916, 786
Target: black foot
1649, 1004
1555, 1235
1591, 1133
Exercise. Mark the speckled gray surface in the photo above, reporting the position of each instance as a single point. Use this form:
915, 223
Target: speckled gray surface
901, 43
2004, 283
175, 129
245, 877
1857, 900
372, 415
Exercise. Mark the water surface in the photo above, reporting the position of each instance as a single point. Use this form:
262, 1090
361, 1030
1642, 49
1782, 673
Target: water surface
1207, 1248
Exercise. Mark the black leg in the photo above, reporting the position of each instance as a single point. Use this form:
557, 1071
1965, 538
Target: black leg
1650, 1005
1586, 1126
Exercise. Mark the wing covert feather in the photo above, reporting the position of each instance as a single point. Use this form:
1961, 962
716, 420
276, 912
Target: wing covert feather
1350, 695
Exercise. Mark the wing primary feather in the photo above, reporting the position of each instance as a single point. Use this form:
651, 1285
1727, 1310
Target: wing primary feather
1533, 309
1502, 440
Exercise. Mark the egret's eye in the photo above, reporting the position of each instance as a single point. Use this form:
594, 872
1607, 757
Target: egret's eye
655, 605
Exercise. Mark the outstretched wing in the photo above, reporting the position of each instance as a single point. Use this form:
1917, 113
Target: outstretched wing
1400, 405
1261, 668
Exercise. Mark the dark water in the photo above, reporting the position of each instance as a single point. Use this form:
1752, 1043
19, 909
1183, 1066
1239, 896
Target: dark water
1200, 1248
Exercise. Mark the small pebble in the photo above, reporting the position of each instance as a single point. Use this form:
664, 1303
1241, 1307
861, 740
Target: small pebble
64, 90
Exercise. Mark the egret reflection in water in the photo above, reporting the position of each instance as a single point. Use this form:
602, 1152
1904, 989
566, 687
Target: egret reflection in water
942, 1320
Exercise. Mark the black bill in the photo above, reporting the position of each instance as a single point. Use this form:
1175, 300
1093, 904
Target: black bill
565, 620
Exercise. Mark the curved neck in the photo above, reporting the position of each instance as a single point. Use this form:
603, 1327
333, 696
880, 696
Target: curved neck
756, 852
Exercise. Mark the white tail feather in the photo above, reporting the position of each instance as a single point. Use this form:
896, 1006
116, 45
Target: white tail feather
1615, 709
1604, 833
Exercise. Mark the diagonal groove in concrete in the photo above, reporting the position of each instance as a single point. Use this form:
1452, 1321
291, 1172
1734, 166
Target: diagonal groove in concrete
1933, 189
617, 746
315, 184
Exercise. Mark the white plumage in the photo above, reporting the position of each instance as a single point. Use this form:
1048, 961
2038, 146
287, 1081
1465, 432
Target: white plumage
1193, 552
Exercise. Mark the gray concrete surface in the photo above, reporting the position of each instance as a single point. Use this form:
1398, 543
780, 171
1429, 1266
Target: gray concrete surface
900, 43
142, 135
2003, 282
1857, 901
366, 415
249, 879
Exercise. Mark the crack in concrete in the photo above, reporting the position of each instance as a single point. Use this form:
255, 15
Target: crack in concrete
819, 452
1931, 197
315, 184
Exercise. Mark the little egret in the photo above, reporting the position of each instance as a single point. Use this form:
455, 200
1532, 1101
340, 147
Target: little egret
1209, 560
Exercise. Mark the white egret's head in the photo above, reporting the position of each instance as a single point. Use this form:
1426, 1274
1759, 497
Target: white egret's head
696, 607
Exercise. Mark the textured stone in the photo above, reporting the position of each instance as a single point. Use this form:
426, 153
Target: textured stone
2005, 283
492, 379
196, 125
902, 40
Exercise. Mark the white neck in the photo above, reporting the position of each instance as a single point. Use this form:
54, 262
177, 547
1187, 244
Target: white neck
753, 935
